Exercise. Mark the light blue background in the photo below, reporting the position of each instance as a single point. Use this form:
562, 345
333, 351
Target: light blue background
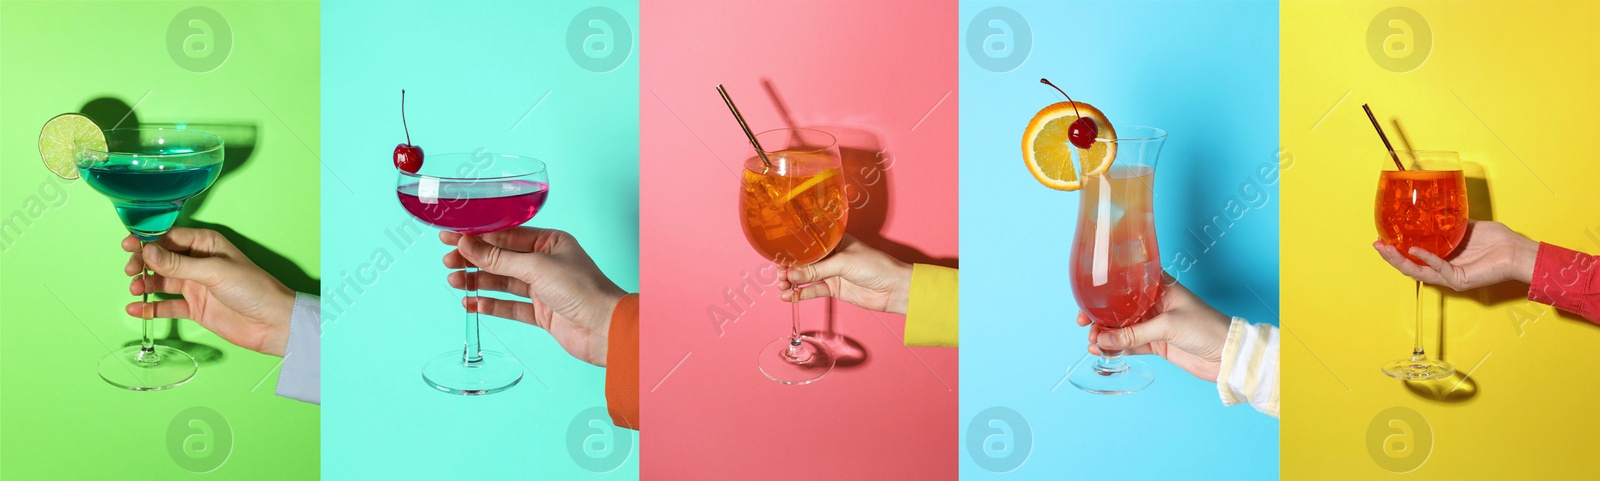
1207, 72
472, 71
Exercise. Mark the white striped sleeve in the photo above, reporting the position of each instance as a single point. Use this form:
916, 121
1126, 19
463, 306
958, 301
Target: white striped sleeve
1249, 371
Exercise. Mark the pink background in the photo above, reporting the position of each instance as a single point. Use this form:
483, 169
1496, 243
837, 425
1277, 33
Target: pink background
882, 77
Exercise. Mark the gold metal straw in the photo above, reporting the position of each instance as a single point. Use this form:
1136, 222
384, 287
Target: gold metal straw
742, 125
1385, 138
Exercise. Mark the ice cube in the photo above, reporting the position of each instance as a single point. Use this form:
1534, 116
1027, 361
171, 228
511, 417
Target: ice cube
1130, 252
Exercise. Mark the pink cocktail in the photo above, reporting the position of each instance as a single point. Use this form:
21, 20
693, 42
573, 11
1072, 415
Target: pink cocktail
473, 194
474, 208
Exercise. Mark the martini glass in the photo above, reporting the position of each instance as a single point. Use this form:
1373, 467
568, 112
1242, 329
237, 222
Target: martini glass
473, 194
793, 213
148, 174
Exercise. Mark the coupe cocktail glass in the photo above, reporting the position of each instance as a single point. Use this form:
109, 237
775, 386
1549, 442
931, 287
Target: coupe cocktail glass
1423, 206
1116, 266
793, 213
473, 194
148, 174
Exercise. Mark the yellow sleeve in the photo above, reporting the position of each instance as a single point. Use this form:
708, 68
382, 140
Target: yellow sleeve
931, 310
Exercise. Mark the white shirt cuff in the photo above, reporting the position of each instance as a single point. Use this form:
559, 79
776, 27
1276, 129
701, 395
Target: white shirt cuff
301, 377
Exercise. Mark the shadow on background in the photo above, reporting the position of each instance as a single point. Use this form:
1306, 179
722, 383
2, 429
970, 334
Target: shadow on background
239, 144
1454, 389
110, 113
847, 353
1190, 189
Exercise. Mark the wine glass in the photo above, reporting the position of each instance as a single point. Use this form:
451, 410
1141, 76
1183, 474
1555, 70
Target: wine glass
1423, 206
793, 213
473, 194
1116, 265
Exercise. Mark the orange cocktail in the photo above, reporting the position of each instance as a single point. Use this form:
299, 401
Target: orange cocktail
1422, 208
794, 212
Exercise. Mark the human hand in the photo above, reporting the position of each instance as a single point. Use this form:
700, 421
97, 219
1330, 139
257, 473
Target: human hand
1186, 332
854, 273
222, 290
567, 294
1490, 253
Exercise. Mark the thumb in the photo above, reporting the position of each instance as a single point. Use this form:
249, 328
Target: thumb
497, 260
205, 270
1135, 335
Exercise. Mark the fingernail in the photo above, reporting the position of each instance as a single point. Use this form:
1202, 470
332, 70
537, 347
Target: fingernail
155, 254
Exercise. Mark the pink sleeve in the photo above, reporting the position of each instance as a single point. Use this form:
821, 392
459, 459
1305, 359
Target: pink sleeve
1568, 280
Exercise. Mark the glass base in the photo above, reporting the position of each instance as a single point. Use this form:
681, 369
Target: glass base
1419, 368
493, 373
1112, 375
135, 369
804, 364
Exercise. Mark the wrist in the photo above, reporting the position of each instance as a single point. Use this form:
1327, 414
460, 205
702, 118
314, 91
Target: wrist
1212, 333
1524, 255
900, 287
280, 316
599, 343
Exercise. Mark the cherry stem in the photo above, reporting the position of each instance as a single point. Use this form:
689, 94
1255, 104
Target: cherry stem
1046, 82
403, 116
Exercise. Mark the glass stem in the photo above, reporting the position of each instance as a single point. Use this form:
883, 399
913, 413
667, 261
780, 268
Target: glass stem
1416, 351
794, 327
147, 344
472, 353
1110, 362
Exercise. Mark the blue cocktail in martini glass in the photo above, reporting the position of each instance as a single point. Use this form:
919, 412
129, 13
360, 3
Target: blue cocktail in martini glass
148, 174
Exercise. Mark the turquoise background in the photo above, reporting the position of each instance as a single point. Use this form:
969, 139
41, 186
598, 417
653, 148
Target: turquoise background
472, 71
1207, 72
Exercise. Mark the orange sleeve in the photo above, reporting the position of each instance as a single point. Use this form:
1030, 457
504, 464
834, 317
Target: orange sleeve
622, 363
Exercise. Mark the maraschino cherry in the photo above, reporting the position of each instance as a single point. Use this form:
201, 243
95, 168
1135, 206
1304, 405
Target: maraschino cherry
407, 157
1081, 133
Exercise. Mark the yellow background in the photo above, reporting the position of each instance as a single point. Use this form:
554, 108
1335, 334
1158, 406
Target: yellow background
1512, 87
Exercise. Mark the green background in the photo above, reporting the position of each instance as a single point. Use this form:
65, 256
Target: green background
62, 290
492, 75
